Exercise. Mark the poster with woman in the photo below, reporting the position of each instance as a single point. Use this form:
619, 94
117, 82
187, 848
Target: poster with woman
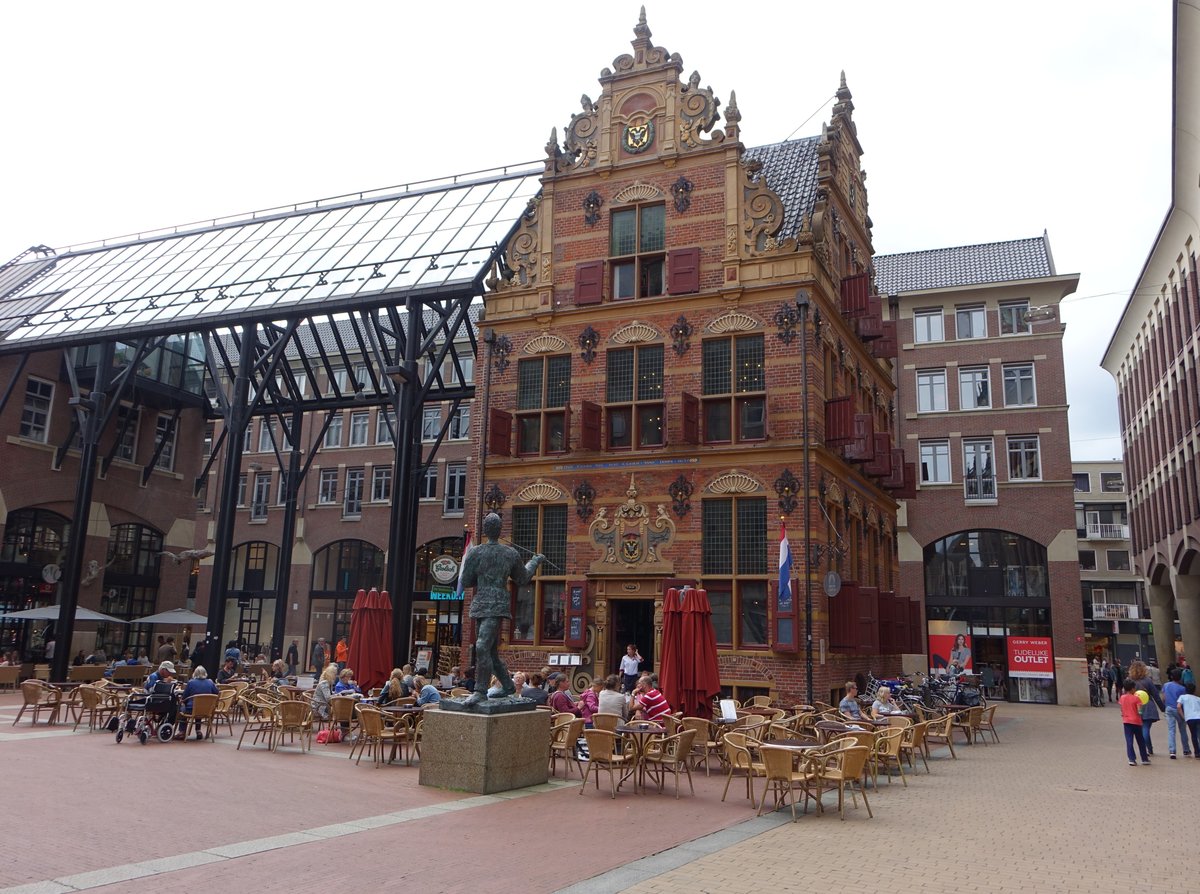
948, 650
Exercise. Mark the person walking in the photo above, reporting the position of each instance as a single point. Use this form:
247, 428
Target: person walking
1170, 695
1131, 721
1139, 674
1189, 712
293, 658
342, 653
1110, 680
318, 658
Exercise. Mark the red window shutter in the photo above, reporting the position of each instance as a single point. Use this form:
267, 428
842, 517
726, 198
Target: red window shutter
683, 271
589, 282
870, 322
839, 421
854, 295
862, 447
842, 626
500, 425
590, 415
881, 463
691, 419
868, 621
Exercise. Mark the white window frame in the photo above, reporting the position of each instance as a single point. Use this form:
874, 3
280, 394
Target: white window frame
1015, 444
352, 493
431, 423
243, 481
380, 475
383, 435
1016, 369
1108, 561
927, 381
360, 428
248, 438
31, 429
282, 489
455, 495
261, 497
427, 486
460, 424
977, 487
166, 458
969, 378
1013, 314
972, 313
333, 434
266, 436
127, 449
938, 453
929, 325
327, 489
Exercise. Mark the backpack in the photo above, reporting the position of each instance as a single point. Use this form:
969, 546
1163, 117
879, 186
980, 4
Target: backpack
1187, 676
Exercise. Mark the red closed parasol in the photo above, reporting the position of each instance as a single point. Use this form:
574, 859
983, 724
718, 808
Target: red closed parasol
371, 638
670, 661
688, 673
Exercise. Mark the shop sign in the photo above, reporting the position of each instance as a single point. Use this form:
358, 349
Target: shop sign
444, 569
443, 595
1030, 656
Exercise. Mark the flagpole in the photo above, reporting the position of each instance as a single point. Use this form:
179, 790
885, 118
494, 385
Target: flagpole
802, 306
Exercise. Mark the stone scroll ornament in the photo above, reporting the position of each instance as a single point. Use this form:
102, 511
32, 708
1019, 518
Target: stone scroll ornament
762, 213
698, 113
518, 266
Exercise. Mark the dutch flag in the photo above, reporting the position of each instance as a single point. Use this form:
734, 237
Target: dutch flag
462, 564
785, 565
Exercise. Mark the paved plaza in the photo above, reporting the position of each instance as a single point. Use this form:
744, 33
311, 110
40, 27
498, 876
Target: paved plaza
1053, 807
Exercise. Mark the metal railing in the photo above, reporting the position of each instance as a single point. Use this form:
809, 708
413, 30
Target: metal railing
1114, 611
1107, 532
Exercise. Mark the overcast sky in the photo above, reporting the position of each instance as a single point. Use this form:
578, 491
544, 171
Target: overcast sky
979, 122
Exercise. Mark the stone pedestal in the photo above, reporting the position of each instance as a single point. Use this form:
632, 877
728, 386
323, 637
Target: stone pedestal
485, 754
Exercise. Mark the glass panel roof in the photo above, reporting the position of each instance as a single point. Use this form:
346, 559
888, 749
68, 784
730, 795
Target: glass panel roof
441, 235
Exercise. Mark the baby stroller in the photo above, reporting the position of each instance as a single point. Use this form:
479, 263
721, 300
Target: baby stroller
148, 715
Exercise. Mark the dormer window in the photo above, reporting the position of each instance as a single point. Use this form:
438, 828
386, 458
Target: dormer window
637, 248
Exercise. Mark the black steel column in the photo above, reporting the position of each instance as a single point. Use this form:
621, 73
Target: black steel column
402, 533
283, 575
93, 414
802, 305
227, 507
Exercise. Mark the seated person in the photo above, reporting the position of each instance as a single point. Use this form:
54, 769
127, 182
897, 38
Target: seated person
228, 671
162, 683
323, 691
589, 702
884, 704
531, 688
278, 671
165, 672
612, 699
426, 694
560, 696
199, 684
393, 688
495, 689
648, 702
468, 680
345, 684
849, 705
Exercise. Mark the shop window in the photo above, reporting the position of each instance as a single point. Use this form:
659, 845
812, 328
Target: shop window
634, 397
734, 389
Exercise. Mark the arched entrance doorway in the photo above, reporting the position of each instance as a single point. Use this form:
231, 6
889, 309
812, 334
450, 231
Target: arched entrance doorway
130, 588
340, 570
250, 610
35, 543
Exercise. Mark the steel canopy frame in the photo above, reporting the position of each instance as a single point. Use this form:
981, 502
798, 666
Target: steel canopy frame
256, 348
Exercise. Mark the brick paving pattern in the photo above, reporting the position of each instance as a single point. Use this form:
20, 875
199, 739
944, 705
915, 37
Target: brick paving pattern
1052, 808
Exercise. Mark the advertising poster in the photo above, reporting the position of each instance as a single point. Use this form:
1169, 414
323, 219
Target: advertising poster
1030, 656
946, 649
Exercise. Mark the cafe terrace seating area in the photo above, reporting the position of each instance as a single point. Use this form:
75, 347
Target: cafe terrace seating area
764, 756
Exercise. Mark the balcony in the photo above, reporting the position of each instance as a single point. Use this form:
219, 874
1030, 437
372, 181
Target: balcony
1114, 611
1107, 532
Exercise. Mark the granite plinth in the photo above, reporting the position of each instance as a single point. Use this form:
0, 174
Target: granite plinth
504, 705
483, 753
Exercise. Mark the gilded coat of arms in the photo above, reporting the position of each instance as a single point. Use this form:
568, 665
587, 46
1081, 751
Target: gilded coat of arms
631, 540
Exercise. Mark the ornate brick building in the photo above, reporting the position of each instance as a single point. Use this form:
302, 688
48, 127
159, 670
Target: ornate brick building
645, 419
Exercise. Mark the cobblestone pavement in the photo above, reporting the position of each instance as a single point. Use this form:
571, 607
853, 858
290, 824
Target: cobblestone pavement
1053, 807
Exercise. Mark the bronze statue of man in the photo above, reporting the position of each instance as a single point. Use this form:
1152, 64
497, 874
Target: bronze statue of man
488, 568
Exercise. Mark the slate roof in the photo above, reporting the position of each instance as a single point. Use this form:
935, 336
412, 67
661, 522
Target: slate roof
964, 265
791, 171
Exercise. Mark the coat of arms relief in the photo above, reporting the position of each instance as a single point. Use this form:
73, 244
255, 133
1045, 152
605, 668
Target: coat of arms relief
631, 540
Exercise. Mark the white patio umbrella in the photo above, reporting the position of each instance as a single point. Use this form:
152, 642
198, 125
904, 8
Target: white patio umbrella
50, 613
179, 617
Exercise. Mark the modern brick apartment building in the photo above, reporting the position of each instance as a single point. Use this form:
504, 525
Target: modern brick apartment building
1152, 356
982, 409
646, 417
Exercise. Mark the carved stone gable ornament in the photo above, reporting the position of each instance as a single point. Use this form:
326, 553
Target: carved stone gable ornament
631, 540
635, 332
540, 492
546, 344
734, 482
637, 192
698, 113
762, 213
518, 267
733, 321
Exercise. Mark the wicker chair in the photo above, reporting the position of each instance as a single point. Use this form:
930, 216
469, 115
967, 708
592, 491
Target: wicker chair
671, 756
939, 731
341, 712
370, 734
782, 778
838, 766
607, 722
704, 743
603, 755
888, 742
563, 737
97, 704
913, 744
40, 696
260, 720
967, 722
759, 701
204, 707
987, 722
739, 756
226, 705
10, 676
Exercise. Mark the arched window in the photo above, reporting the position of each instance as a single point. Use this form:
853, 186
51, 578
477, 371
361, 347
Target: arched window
35, 537
423, 581
346, 566
253, 568
130, 588
986, 565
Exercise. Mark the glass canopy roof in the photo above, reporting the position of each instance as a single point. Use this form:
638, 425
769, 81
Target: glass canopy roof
340, 253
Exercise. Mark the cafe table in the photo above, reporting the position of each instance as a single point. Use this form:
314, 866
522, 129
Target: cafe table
639, 734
